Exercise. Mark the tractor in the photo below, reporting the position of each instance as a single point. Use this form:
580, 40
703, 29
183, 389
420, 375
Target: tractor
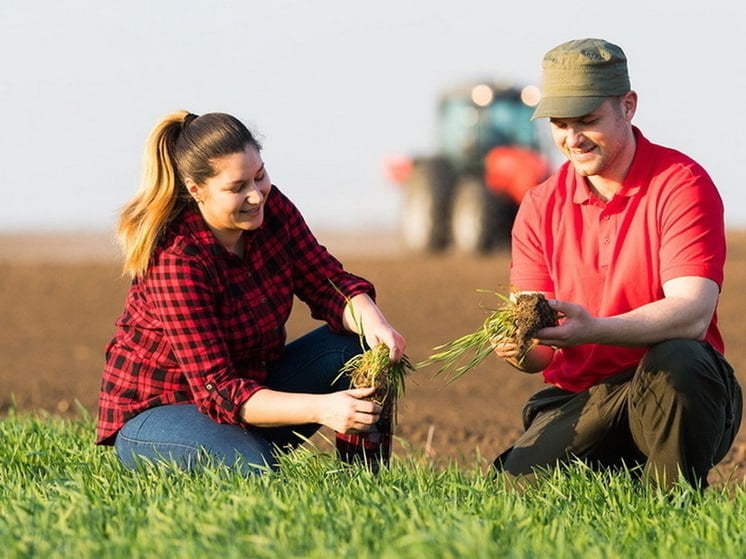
489, 154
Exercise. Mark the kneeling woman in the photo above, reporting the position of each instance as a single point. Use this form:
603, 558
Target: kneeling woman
199, 364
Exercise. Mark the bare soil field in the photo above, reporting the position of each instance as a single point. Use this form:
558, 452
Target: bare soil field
61, 294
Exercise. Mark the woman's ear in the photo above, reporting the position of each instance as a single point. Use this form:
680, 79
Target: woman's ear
193, 189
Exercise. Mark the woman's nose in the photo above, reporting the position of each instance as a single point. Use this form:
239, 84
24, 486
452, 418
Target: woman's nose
254, 196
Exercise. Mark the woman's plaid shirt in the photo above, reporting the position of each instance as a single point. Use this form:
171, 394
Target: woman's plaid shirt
202, 323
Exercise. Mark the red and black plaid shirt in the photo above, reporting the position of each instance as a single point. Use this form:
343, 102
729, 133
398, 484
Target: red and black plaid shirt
202, 323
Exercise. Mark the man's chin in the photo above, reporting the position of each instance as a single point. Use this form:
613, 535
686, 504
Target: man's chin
583, 169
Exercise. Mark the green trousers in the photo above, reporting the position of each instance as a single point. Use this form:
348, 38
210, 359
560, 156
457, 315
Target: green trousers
677, 412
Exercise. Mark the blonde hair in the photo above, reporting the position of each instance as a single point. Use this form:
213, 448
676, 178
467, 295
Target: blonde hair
181, 145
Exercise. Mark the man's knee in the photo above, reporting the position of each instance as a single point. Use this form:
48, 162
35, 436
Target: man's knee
683, 405
677, 352
678, 364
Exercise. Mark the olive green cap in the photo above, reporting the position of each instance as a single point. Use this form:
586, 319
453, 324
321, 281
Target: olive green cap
578, 76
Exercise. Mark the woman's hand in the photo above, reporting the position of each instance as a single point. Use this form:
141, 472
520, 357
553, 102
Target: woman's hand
386, 334
362, 312
346, 411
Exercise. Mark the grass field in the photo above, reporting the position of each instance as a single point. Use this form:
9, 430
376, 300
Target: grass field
60, 496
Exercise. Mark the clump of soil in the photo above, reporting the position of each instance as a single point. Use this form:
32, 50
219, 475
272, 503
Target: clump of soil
531, 313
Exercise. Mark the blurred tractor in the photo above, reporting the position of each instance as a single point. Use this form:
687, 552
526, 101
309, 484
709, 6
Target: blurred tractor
490, 154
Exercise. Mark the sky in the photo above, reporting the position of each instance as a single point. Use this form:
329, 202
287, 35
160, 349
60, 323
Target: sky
331, 87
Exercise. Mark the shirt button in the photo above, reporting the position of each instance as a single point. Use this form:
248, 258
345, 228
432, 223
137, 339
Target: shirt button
606, 240
210, 386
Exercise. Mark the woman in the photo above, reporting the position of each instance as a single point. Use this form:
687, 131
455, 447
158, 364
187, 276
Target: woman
198, 365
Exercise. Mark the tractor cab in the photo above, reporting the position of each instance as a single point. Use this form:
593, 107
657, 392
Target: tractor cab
472, 121
489, 154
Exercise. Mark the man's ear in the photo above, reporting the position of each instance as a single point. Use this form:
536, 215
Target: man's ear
629, 104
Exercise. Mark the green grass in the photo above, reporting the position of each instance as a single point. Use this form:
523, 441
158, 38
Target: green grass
60, 496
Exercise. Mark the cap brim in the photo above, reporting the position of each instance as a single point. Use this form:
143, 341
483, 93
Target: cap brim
566, 107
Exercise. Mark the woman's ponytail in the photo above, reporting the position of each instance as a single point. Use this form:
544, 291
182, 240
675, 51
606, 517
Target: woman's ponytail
158, 199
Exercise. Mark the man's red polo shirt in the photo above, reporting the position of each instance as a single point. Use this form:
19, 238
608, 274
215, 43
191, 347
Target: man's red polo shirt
611, 257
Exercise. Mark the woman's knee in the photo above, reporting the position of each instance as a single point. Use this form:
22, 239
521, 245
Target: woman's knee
345, 346
181, 435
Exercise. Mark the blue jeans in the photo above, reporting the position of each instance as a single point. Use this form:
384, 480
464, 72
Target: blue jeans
181, 434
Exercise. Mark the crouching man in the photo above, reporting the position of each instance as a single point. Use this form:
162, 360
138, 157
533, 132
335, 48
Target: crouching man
627, 241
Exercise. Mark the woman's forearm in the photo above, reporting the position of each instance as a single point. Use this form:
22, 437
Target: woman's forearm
269, 408
361, 313
343, 411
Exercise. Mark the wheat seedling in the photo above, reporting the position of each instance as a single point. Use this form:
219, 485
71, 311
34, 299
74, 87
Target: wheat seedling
516, 320
374, 368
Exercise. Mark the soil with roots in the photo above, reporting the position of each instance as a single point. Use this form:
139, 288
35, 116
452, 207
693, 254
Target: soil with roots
61, 294
532, 313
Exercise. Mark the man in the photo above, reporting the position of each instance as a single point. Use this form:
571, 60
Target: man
627, 241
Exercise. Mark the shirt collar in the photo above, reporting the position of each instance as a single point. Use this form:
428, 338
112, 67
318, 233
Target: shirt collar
193, 226
639, 172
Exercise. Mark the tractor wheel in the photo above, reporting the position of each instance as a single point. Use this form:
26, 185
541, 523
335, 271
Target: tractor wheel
504, 210
425, 211
473, 217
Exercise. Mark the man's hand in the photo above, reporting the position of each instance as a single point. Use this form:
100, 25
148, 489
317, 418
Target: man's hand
507, 350
575, 327
537, 359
